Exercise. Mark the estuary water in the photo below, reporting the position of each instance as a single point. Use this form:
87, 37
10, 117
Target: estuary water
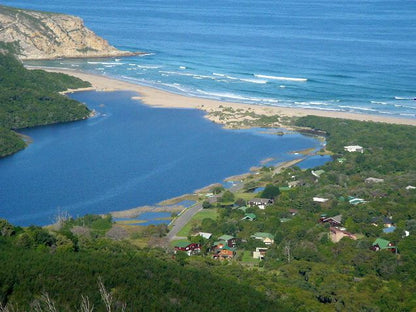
129, 155
345, 55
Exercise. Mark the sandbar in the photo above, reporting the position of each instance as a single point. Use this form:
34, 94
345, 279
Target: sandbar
160, 98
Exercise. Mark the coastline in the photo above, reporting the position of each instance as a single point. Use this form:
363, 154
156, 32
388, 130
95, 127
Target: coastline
160, 98
214, 111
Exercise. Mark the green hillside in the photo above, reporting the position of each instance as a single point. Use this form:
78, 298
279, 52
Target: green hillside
30, 98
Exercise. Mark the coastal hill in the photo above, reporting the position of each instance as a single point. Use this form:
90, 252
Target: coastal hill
40, 35
30, 98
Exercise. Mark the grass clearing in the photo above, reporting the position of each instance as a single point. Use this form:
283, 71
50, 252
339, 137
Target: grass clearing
203, 214
248, 257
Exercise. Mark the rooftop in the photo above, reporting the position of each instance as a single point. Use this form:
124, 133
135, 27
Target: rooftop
263, 235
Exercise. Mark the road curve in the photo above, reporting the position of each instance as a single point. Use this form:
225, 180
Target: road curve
182, 220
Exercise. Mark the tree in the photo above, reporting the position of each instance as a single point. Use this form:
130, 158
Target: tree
227, 197
270, 191
6, 229
206, 204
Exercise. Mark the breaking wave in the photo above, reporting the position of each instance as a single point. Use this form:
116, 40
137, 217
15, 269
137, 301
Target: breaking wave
281, 78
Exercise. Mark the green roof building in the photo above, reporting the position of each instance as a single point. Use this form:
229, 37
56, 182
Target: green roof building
249, 216
381, 243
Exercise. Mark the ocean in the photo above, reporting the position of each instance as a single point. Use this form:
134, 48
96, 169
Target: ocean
129, 155
346, 55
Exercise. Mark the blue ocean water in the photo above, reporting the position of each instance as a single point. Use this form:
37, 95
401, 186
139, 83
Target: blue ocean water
129, 155
344, 55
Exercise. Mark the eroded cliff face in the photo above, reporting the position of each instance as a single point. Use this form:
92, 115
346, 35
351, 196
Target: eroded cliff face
40, 35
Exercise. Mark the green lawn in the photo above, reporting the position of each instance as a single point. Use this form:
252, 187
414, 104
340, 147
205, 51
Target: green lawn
245, 196
248, 257
173, 243
206, 213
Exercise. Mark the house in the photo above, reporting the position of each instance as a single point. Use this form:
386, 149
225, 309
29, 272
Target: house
188, 247
293, 184
265, 237
228, 240
205, 235
249, 217
333, 221
320, 199
354, 148
355, 201
336, 234
243, 208
341, 160
383, 244
260, 253
262, 203
226, 253
410, 187
389, 229
293, 212
373, 180
317, 173
388, 222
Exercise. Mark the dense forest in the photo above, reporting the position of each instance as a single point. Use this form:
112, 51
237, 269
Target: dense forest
30, 98
67, 268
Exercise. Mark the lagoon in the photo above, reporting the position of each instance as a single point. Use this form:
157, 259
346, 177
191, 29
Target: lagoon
128, 155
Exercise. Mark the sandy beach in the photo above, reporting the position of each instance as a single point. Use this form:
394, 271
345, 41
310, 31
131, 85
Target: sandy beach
159, 98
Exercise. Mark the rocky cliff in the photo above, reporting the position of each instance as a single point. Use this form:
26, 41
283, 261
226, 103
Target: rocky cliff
40, 35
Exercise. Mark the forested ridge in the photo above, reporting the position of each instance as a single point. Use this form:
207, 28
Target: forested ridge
30, 98
66, 267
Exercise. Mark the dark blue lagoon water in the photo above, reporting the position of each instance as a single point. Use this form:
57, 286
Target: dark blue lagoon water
127, 156
345, 55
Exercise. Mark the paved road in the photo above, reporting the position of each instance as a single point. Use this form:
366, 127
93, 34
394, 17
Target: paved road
288, 164
182, 220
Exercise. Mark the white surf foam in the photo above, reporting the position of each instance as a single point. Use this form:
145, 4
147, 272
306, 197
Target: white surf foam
250, 80
258, 81
359, 108
236, 97
281, 78
149, 66
400, 98
105, 63
145, 54
378, 102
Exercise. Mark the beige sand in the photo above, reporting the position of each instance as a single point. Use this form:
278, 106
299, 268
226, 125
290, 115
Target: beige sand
159, 98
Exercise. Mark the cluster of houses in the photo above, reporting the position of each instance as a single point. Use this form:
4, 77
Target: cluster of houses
337, 232
225, 247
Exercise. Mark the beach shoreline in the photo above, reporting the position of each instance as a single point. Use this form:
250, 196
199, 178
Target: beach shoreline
213, 108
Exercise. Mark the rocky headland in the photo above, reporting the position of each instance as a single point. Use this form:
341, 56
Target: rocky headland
35, 35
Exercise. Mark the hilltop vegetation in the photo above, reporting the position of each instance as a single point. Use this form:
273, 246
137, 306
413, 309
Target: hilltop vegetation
30, 98
68, 266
